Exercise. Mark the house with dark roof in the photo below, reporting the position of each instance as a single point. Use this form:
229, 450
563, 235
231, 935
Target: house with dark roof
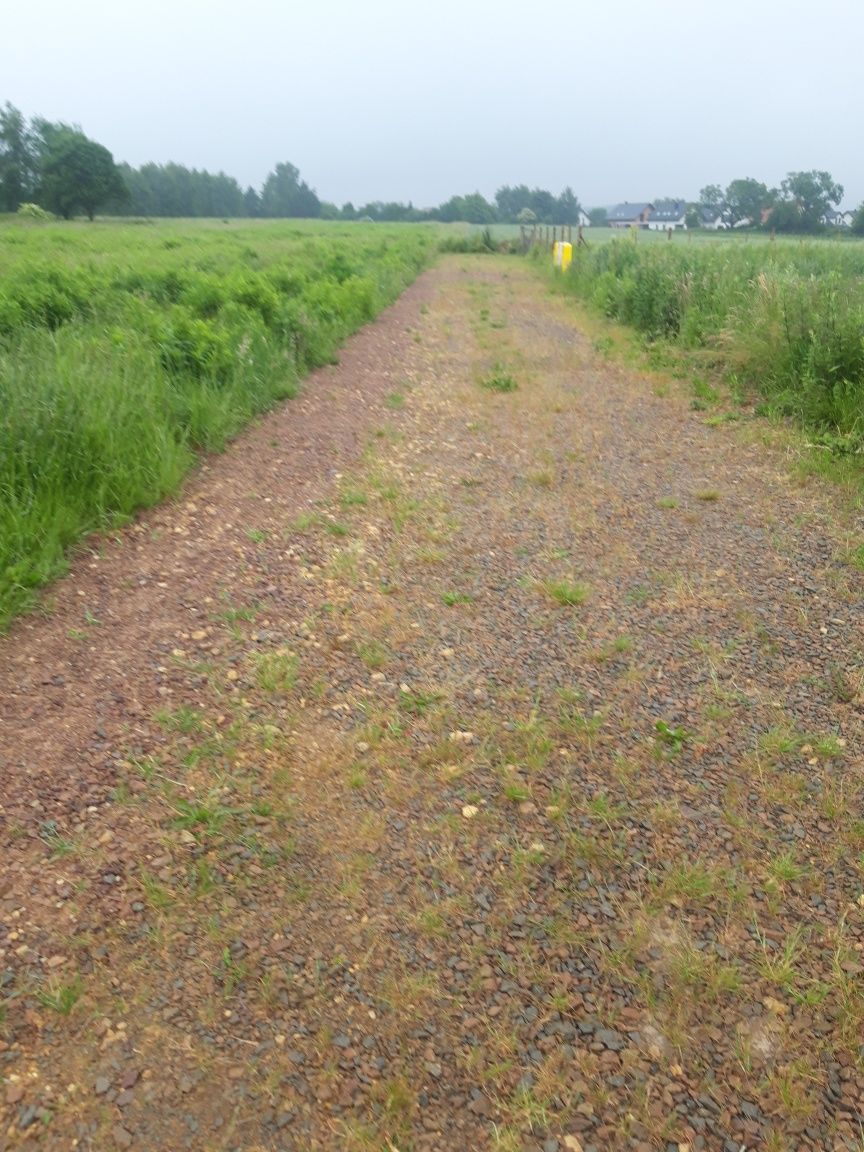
629, 215
838, 219
667, 214
712, 220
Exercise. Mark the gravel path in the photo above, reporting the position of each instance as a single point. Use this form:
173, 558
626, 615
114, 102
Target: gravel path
450, 768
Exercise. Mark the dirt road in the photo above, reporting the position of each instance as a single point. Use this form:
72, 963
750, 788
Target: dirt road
469, 760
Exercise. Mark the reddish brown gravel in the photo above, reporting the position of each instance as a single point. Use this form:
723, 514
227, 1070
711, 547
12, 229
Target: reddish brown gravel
448, 768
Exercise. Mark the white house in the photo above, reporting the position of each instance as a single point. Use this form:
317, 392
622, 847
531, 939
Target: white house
667, 214
583, 220
838, 219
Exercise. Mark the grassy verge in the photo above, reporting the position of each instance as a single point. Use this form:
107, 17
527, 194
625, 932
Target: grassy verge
126, 348
782, 320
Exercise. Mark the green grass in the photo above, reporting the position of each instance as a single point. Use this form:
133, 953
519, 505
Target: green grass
567, 593
451, 599
126, 350
60, 998
276, 672
499, 380
782, 319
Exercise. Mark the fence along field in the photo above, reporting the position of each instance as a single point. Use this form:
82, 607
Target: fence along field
124, 349
784, 319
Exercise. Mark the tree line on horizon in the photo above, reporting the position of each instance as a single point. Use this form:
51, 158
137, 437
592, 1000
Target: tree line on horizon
57, 167
800, 204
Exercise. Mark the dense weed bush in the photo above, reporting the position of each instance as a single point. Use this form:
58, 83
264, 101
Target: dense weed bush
123, 351
786, 319
481, 242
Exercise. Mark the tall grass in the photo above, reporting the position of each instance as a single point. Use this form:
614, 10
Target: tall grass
784, 319
125, 349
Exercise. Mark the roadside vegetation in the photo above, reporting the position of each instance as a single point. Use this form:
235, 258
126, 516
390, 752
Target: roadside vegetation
126, 349
781, 320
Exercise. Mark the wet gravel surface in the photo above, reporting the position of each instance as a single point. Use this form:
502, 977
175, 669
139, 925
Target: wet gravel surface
449, 769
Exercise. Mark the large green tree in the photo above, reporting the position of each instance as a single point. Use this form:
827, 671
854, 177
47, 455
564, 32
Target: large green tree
474, 208
568, 208
285, 194
76, 173
547, 209
745, 200
713, 199
808, 197
17, 159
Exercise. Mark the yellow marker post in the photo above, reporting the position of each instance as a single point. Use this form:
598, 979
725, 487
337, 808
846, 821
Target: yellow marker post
562, 255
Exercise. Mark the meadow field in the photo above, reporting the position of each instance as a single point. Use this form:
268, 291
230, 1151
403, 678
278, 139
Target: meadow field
127, 347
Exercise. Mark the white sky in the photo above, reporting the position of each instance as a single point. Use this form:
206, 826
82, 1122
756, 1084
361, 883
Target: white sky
400, 100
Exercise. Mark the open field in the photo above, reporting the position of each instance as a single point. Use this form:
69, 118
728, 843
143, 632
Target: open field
471, 759
127, 347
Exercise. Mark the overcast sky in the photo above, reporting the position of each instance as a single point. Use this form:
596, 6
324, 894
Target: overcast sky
399, 100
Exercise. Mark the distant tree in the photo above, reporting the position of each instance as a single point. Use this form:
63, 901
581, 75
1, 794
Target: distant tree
599, 217
174, 190
77, 174
812, 193
329, 211
251, 203
391, 212
858, 220
285, 194
568, 207
526, 216
545, 205
349, 212
547, 209
745, 200
692, 217
785, 216
473, 209
511, 201
477, 209
17, 160
712, 198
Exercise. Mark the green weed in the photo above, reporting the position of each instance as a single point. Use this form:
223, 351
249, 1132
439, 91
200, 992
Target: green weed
59, 997
276, 672
499, 380
567, 593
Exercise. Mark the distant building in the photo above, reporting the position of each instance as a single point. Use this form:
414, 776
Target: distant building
838, 219
628, 215
582, 220
667, 214
711, 219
